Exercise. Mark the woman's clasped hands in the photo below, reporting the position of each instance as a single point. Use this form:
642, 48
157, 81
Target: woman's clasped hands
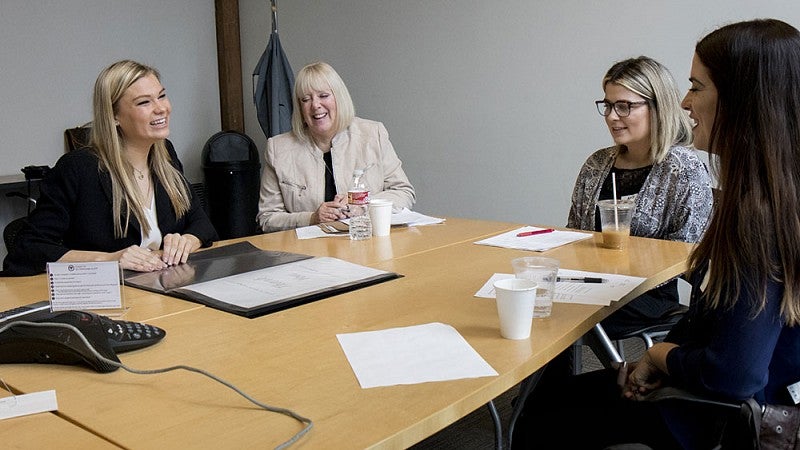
330, 211
647, 374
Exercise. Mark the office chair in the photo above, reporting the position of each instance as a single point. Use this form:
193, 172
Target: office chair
78, 137
609, 349
199, 190
11, 230
743, 429
32, 173
652, 333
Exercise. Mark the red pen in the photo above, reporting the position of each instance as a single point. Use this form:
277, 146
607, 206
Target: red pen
534, 233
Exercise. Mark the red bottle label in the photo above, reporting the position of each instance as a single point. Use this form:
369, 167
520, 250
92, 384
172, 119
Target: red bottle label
358, 197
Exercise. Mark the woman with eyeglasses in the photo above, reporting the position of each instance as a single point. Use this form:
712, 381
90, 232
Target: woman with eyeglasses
652, 165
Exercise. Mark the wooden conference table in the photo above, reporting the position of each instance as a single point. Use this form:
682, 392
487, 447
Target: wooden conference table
292, 359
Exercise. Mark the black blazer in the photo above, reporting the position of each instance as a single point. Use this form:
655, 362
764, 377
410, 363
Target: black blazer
74, 213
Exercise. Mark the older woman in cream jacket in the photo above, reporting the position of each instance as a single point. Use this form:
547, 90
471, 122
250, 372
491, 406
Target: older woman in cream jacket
308, 171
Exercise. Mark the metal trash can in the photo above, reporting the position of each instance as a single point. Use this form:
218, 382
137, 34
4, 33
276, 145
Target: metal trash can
232, 172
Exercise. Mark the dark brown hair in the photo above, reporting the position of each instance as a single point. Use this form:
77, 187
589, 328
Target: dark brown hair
754, 235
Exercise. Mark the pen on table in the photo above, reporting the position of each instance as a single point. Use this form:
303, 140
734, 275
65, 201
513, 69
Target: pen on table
580, 279
534, 233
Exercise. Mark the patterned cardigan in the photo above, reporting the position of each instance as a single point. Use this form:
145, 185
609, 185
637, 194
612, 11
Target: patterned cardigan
674, 203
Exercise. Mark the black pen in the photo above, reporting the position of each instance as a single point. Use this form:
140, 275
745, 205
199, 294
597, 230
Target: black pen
580, 280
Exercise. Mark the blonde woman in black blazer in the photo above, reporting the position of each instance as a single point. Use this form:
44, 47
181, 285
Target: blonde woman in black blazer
123, 198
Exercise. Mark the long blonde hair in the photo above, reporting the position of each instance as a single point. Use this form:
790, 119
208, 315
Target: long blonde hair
107, 142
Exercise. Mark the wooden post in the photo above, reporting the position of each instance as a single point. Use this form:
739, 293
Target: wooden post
229, 60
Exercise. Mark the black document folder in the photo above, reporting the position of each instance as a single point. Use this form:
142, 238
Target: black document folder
245, 280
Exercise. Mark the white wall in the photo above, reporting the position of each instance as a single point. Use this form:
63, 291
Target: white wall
488, 104
52, 51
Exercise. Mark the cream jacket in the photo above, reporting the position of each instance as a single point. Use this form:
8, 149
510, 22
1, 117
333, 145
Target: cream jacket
293, 179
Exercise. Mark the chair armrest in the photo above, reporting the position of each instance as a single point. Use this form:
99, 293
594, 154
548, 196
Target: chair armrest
673, 393
742, 429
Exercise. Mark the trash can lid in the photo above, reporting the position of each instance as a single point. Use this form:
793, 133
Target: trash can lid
229, 146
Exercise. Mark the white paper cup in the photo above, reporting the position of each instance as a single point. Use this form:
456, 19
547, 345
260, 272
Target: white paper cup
380, 213
515, 299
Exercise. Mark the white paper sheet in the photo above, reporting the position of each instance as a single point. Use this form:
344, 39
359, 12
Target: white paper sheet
612, 289
403, 217
411, 355
537, 243
413, 218
313, 231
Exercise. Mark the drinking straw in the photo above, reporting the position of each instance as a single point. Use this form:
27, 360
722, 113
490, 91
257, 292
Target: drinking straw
614, 191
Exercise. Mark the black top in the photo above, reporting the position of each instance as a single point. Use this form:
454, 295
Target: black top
74, 213
330, 183
629, 182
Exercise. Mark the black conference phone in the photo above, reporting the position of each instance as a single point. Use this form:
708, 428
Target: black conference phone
52, 344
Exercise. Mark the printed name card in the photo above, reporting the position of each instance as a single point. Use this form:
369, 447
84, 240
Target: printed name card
93, 285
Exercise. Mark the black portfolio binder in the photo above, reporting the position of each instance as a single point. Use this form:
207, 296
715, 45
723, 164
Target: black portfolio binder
221, 265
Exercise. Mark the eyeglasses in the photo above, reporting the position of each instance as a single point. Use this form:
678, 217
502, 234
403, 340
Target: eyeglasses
622, 107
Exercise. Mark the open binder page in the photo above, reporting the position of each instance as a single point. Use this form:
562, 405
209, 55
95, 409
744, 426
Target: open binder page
287, 281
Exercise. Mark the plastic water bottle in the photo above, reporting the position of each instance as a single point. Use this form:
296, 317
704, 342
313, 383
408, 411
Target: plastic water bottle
358, 204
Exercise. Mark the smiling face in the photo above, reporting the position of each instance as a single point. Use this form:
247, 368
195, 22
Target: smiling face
701, 102
143, 112
633, 130
319, 114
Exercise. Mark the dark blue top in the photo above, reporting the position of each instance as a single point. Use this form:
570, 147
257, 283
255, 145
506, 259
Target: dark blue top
731, 355
734, 354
